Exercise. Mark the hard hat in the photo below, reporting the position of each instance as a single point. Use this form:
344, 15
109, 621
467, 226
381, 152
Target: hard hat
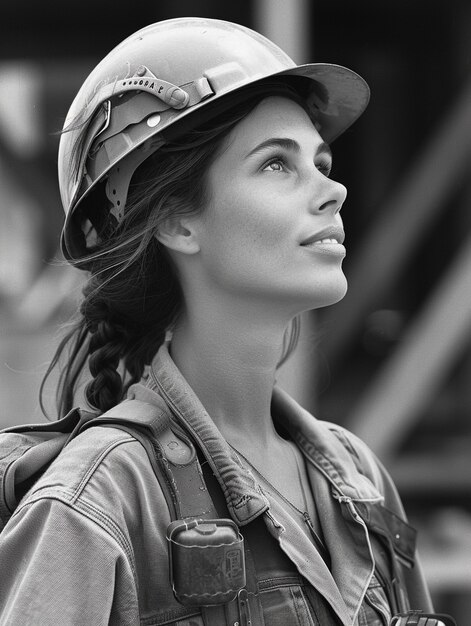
171, 75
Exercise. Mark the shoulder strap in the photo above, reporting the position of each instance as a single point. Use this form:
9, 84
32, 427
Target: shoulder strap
176, 465
171, 453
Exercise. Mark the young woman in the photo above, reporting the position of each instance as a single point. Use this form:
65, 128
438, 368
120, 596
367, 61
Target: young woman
194, 170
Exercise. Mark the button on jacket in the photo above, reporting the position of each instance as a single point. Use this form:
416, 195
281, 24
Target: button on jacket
87, 545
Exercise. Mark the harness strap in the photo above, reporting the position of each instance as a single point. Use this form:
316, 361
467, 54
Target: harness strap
192, 496
173, 457
176, 465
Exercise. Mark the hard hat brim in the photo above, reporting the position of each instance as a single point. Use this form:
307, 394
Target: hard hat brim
347, 95
341, 97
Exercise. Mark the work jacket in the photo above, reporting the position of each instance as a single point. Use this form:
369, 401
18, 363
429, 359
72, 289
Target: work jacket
87, 545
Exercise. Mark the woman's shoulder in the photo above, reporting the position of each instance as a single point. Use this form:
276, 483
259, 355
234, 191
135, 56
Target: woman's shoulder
93, 449
104, 470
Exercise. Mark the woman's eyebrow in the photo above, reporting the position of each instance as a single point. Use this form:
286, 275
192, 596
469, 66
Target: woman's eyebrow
288, 144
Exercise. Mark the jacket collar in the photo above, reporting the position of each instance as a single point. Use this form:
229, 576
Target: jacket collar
245, 502
323, 444
243, 496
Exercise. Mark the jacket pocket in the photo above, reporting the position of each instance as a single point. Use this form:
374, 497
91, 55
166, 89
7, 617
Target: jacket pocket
286, 605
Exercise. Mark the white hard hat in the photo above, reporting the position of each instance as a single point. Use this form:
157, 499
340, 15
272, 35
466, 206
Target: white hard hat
173, 71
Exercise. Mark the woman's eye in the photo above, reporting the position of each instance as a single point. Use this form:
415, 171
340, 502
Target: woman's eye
324, 167
275, 165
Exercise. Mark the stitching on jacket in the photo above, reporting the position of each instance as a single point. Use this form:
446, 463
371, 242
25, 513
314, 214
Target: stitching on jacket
267, 584
85, 509
169, 617
295, 599
322, 460
108, 524
75, 499
98, 459
347, 444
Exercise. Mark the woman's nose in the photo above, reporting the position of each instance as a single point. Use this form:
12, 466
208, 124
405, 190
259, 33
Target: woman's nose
330, 198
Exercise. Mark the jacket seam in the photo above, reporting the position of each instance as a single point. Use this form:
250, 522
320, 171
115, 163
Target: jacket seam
169, 617
97, 460
95, 515
109, 525
295, 602
75, 500
284, 581
322, 461
348, 445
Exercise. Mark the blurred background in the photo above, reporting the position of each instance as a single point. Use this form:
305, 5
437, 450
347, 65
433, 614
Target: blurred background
392, 361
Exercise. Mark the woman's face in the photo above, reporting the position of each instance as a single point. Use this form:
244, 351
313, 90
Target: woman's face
272, 231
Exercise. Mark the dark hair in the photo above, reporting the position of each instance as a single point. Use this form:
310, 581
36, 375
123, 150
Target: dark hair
133, 296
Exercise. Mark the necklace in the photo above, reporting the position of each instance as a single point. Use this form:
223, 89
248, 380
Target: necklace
320, 545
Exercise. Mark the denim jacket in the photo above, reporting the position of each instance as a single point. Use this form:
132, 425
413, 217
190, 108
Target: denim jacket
87, 545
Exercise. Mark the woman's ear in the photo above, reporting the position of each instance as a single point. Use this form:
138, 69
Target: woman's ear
179, 234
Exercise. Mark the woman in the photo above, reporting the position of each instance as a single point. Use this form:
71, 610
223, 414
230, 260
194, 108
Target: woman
194, 171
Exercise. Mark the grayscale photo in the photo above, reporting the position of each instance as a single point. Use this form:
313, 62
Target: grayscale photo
235, 313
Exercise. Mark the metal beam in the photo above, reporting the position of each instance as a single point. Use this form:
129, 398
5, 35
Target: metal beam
287, 24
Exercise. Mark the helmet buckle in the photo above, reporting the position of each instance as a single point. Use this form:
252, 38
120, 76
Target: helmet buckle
144, 80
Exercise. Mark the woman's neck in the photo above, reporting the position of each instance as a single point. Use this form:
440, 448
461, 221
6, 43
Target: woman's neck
231, 367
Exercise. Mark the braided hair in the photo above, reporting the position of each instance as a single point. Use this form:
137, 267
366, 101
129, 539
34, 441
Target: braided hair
133, 296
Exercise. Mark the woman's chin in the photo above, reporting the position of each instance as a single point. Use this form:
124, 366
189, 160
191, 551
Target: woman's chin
330, 294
